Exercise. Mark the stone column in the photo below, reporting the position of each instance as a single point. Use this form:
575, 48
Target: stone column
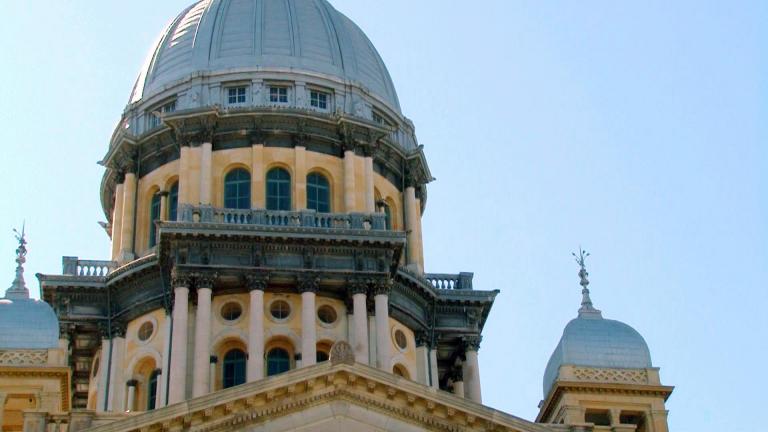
116, 371
35, 421
300, 180
101, 389
381, 306
2, 405
184, 162
158, 393
178, 366
360, 321
162, 385
129, 213
212, 361
471, 369
433, 367
370, 202
411, 228
257, 284
200, 376
130, 401
206, 165
419, 258
422, 358
308, 288
163, 206
258, 191
349, 181
117, 217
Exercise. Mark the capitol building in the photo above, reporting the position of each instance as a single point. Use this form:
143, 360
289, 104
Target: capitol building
264, 193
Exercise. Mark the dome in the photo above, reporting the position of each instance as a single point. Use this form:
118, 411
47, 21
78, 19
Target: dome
27, 324
236, 36
590, 340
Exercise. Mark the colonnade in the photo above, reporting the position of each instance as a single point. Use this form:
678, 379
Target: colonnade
196, 187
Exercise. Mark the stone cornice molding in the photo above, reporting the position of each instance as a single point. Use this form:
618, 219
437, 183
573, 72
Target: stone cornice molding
258, 280
254, 403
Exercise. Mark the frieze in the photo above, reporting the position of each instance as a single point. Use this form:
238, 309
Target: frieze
23, 357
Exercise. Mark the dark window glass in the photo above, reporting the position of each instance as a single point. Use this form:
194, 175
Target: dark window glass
321, 356
152, 393
173, 202
278, 94
237, 189
318, 99
388, 216
154, 215
236, 95
278, 189
318, 193
280, 309
278, 361
234, 368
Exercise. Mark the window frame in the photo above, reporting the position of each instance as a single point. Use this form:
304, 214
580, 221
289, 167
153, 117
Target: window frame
173, 202
165, 107
320, 100
283, 198
286, 362
280, 99
155, 206
315, 189
237, 96
241, 362
241, 184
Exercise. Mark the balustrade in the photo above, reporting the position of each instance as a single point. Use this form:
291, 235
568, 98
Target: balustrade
278, 218
461, 281
76, 267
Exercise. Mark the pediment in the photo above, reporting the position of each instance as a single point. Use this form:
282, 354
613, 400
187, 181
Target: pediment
326, 397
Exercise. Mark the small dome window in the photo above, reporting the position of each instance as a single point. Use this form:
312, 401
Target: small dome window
280, 309
231, 311
145, 331
327, 314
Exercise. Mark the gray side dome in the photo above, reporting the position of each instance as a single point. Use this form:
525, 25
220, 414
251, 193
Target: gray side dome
256, 35
27, 324
592, 341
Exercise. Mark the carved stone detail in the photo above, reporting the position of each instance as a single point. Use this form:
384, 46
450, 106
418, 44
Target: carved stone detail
23, 357
472, 343
257, 281
308, 283
342, 352
628, 376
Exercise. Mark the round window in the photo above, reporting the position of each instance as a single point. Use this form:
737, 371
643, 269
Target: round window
231, 311
145, 331
401, 340
326, 314
280, 309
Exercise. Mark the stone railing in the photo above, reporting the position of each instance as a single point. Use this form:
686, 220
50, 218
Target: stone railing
461, 281
76, 267
276, 218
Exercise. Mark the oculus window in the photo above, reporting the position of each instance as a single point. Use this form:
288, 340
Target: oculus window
278, 189
237, 189
318, 193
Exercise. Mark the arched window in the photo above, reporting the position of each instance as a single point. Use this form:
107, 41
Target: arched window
321, 356
278, 361
237, 189
234, 368
173, 202
152, 390
154, 215
318, 193
388, 216
278, 189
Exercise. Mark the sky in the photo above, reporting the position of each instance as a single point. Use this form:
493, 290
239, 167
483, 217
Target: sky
634, 129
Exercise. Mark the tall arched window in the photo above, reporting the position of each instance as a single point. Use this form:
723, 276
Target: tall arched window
237, 189
278, 189
152, 390
388, 216
173, 202
234, 368
154, 215
278, 361
318, 193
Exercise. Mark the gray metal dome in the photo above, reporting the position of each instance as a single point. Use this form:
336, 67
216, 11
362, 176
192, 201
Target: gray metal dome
232, 36
27, 324
590, 340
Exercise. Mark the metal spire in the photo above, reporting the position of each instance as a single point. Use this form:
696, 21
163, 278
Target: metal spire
18, 289
586, 308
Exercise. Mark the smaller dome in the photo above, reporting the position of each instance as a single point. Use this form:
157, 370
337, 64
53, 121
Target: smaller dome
27, 324
592, 341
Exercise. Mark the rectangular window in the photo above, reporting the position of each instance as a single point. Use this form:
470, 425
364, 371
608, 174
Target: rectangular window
236, 95
318, 99
278, 94
155, 116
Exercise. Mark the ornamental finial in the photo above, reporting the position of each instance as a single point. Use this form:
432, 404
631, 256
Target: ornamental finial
18, 289
586, 302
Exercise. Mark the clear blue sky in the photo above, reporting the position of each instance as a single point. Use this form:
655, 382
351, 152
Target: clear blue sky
637, 129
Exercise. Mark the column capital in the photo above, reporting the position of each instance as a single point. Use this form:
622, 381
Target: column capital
423, 339
132, 383
382, 286
180, 279
357, 286
214, 359
308, 283
118, 330
205, 279
256, 280
119, 176
472, 342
